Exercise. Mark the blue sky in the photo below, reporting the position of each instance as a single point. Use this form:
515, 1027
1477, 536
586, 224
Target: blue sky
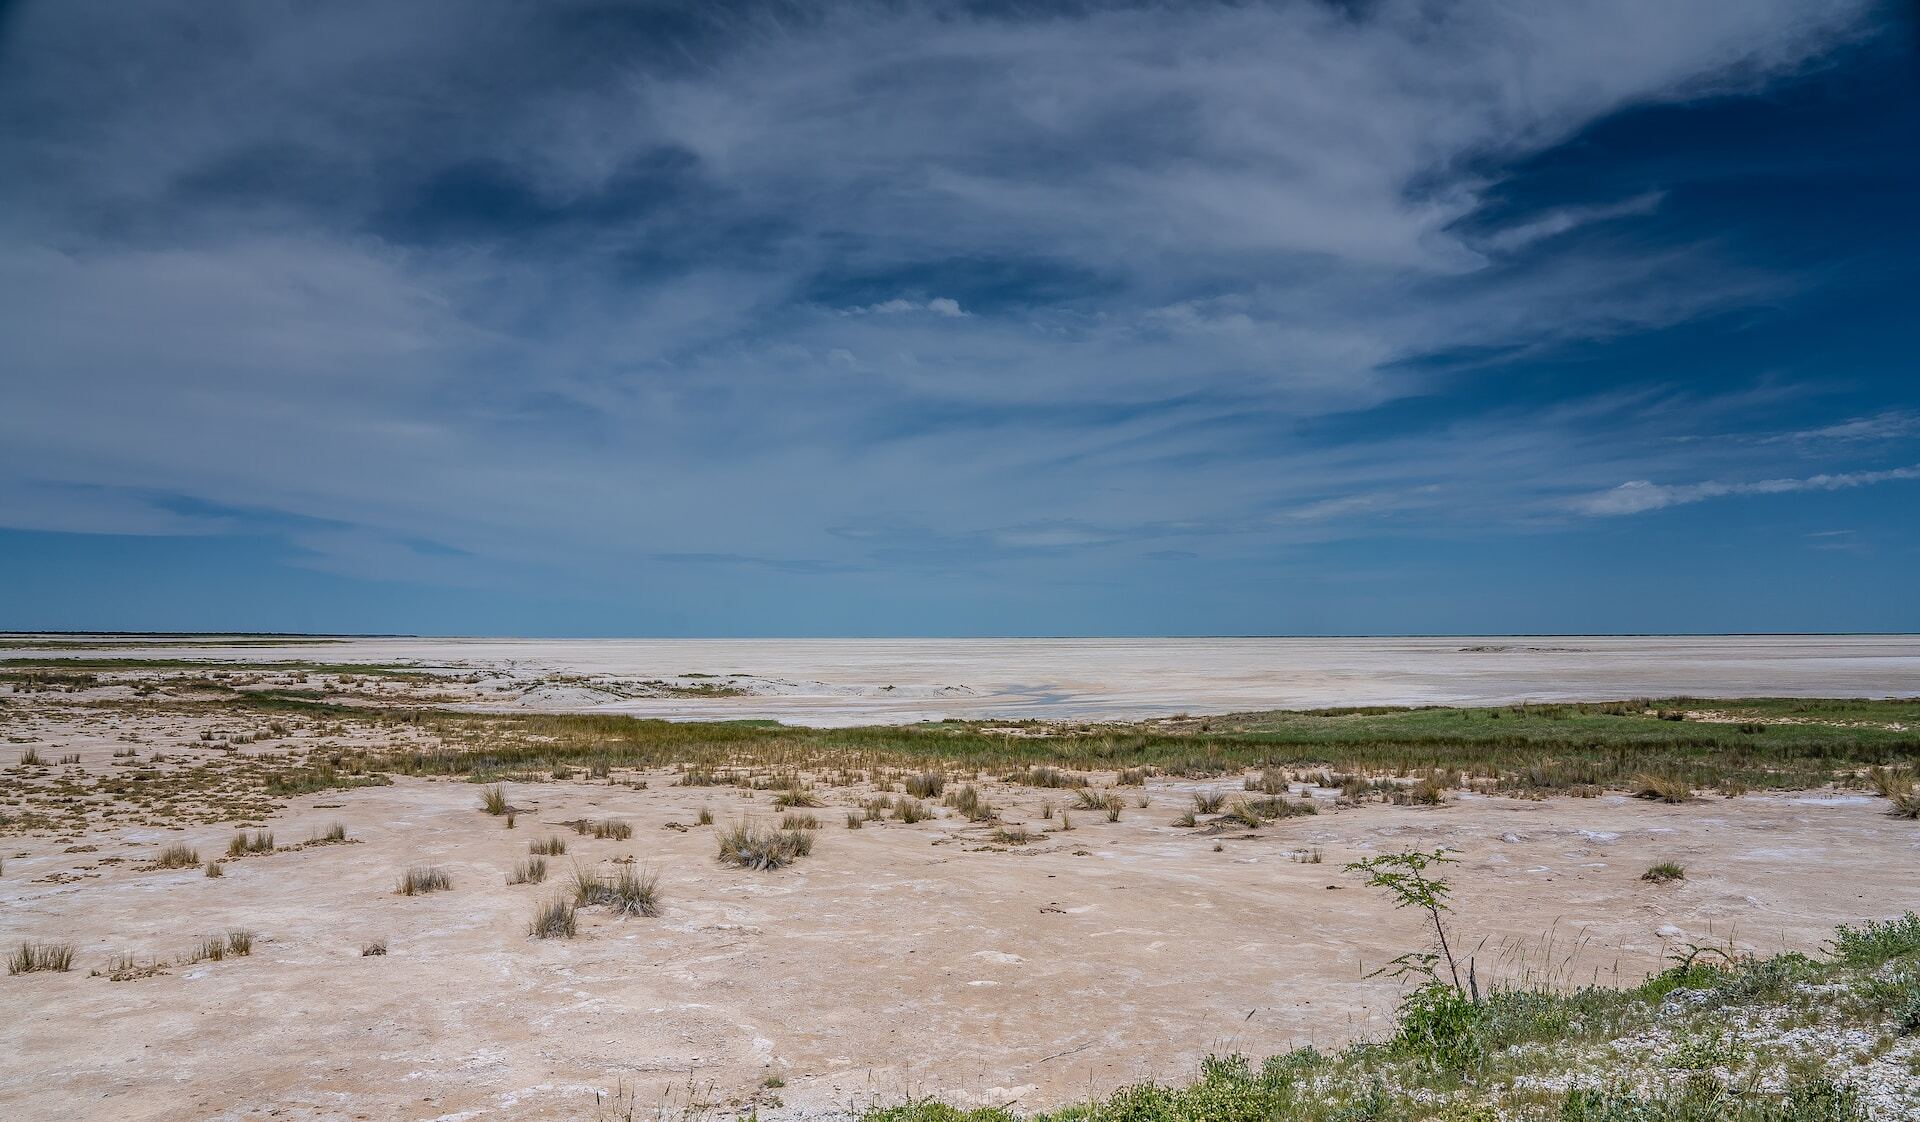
470, 317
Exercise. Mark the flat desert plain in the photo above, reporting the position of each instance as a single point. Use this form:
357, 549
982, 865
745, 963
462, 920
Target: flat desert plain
1026, 946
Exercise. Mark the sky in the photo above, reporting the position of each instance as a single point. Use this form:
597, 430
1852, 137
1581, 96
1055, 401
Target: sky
995, 318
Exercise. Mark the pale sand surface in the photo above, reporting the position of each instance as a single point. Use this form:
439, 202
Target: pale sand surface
866, 681
896, 960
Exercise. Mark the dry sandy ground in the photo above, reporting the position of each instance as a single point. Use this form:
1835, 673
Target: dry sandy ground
897, 960
870, 681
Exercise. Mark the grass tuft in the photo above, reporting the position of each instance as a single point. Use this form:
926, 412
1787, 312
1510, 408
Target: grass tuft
422, 879
30, 958
749, 845
555, 919
259, 841
177, 857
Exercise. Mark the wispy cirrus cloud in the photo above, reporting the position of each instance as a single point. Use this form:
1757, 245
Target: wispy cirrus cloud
1640, 495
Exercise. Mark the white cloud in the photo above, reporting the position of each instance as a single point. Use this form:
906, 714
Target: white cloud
1640, 495
939, 306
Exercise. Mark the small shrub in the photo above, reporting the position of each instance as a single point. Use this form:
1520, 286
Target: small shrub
1877, 941
423, 879
1664, 872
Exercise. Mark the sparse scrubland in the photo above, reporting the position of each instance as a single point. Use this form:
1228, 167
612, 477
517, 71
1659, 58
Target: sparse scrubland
1785, 1038
1687, 1024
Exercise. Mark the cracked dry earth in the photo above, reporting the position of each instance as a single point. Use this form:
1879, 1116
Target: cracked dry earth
896, 960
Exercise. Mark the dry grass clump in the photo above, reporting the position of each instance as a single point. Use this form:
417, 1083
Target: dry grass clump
533, 870
422, 879
1889, 781
911, 810
217, 948
1253, 813
214, 869
705, 818
1046, 776
967, 801
631, 893
1132, 777
1905, 804
749, 845
243, 843
606, 829
1665, 872
799, 822
551, 847
555, 919
1013, 835
1267, 783
1431, 790
177, 857
373, 948
493, 800
855, 820
1241, 812
925, 785
29, 958
1665, 788
337, 832
1088, 799
796, 796
1208, 802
